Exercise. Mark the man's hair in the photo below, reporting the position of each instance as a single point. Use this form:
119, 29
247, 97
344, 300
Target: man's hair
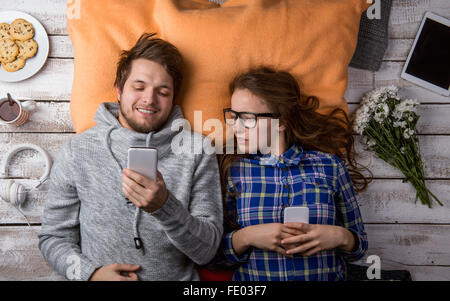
153, 49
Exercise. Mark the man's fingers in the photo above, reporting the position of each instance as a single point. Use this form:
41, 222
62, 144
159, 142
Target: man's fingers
138, 178
128, 194
159, 176
123, 267
133, 276
133, 185
132, 195
129, 277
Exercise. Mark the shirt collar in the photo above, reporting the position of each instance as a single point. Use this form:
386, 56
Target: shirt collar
291, 157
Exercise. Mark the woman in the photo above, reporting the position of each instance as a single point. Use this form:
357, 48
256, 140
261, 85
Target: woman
303, 165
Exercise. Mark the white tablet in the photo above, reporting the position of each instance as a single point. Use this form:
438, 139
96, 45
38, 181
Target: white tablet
428, 63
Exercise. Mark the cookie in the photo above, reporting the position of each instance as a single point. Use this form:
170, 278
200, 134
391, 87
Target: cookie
27, 48
4, 31
14, 65
21, 30
8, 50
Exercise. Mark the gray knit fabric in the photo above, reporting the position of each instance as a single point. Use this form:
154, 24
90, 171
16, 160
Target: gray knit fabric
220, 2
87, 218
372, 39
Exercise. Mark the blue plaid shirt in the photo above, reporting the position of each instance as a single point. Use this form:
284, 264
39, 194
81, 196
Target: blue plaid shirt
266, 185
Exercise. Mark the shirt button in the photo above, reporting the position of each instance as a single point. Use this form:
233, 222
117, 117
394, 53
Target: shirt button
285, 205
286, 186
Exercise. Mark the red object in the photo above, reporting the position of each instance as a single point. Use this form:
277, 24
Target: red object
210, 275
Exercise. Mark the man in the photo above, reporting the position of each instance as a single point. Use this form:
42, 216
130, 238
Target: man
105, 222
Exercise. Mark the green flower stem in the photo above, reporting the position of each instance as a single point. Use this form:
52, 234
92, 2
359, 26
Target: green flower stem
409, 164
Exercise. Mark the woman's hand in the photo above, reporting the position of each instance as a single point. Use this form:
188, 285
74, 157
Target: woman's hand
263, 236
316, 238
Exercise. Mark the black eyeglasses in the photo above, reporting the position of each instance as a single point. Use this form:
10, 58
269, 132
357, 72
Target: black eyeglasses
247, 119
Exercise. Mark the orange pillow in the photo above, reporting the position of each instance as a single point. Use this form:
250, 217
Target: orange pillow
313, 39
99, 32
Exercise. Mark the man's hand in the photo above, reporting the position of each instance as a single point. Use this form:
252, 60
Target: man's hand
316, 238
144, 193
116, 272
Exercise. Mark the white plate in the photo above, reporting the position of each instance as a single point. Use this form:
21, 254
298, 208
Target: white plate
34, 64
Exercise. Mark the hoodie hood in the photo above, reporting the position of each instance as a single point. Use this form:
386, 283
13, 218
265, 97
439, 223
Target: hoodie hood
122, 138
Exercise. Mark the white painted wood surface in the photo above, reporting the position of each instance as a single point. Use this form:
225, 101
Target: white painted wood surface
20, 257
405, 235
436, 154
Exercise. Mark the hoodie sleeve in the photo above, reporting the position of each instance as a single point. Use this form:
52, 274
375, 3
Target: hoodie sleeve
196, 231
59, 238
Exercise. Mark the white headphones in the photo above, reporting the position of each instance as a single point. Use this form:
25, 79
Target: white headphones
11, 191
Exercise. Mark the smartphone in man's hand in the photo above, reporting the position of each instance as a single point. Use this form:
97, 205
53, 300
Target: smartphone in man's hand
143, 160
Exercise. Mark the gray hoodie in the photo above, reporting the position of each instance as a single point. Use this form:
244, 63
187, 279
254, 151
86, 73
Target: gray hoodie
87, 222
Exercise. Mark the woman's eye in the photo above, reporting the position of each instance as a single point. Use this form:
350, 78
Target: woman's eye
164, 94
139, 88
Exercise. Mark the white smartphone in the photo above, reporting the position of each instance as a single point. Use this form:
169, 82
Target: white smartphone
296, 215
143, 160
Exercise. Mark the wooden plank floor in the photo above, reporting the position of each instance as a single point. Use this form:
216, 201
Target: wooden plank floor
405, 235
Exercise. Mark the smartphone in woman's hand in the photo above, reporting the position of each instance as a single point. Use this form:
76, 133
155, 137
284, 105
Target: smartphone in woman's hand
296, 215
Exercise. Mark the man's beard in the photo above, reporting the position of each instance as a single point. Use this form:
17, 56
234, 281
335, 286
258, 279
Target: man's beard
135, 125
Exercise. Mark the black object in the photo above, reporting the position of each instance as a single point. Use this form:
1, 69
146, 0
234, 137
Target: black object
138, 242
372, 39
358, 273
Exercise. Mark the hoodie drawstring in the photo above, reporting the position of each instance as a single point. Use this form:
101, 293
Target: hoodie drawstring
137, 239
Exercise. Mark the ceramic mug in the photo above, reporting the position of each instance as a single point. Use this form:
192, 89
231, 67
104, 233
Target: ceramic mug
25, 108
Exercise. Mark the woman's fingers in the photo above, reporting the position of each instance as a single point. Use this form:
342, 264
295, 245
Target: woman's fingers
312, 251
303, 248
298, 239
280, 250
299, 226
290, 231
285, 235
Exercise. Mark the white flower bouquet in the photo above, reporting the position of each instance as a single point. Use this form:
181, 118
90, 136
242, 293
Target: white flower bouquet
388, 126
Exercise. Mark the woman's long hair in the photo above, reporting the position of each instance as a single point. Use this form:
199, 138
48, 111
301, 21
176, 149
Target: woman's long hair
330, 133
